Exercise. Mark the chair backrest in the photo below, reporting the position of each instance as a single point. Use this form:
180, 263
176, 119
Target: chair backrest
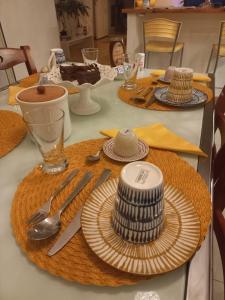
161, 28
219, 204
222, 30
10, 57
220, 115
221, 37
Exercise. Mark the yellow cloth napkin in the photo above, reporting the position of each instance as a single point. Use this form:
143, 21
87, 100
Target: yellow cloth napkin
196, 76
158, 136
13, 90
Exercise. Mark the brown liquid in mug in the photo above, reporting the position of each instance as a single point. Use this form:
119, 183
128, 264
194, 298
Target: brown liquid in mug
49, 93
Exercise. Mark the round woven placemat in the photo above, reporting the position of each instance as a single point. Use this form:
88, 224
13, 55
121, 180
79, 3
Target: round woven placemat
76, 261
126, 95
12, 131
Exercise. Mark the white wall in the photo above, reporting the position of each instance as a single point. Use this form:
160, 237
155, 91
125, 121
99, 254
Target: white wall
33, 23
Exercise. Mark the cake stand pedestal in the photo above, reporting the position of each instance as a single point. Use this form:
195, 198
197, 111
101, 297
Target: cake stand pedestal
85, 105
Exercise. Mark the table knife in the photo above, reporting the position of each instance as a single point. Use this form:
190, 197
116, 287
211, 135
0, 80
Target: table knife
141, 96
150, 99
74, 225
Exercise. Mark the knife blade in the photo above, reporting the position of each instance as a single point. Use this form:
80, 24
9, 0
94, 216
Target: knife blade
150, 99
141, 96
74, 225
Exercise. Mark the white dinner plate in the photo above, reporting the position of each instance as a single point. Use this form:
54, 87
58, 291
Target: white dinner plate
176, 244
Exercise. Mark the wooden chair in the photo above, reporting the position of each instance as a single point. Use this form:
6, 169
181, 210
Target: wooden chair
220, 115
219, 204
218, 49
219, 124
160, 36
10, 57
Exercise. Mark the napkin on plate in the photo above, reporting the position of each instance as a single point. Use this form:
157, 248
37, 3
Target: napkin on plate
196, 76
158, 136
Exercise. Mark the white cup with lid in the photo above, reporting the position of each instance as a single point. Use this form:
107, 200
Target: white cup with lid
48, 96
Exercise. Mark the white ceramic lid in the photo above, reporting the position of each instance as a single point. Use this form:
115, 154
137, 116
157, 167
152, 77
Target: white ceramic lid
41, 93
141, 175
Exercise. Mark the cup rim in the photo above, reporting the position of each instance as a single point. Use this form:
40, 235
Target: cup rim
131, 187
43, 102
43, 124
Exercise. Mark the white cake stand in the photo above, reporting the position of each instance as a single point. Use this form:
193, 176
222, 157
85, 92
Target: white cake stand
85, 105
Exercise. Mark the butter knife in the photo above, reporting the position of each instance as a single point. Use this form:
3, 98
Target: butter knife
150, 99
74, 225
141, 96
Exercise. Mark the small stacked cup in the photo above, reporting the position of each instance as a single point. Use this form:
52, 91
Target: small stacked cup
138, 214
180, 89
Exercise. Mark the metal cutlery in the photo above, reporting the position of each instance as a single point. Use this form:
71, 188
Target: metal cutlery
51, 225
74, 225
150, 98
94, 157
43, 211
141, 96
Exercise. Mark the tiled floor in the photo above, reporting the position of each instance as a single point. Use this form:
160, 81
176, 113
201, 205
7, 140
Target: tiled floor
217, 272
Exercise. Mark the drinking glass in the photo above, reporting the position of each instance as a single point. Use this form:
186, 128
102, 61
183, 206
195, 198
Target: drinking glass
46, 127
130, 66
90, 55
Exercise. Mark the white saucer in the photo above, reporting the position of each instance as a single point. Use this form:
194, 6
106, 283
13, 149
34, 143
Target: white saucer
162, 79
143, 150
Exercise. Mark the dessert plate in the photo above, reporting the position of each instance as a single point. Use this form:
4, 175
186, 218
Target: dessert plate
176, 244
198, 98
143, 150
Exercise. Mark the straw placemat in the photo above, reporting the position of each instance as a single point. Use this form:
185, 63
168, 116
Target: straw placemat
126, 95
29, 81
12, 131
76, 261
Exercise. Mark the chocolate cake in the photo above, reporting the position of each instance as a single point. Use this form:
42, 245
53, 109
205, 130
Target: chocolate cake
82, 74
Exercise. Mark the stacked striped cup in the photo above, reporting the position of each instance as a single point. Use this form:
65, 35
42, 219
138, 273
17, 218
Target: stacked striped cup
138, 214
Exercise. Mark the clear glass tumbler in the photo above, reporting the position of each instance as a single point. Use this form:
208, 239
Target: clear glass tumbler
90, 55
130, 66
46, 126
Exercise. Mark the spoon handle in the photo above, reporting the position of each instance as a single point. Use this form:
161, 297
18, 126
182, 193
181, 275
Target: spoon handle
81, 184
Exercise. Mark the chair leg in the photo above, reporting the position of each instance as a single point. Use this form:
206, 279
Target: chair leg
217, 59
146, 59
171, 59
210, 58
181, 56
